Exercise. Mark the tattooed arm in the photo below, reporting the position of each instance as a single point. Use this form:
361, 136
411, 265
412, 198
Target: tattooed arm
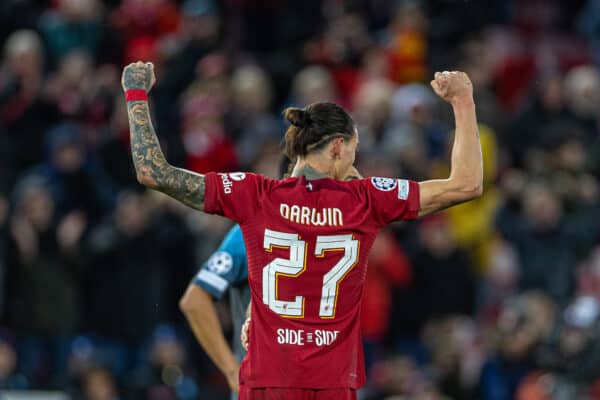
151, 166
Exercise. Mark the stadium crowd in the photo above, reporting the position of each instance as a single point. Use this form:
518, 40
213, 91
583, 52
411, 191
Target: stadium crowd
495, 299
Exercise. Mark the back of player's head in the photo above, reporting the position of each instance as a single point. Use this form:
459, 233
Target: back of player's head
314, 126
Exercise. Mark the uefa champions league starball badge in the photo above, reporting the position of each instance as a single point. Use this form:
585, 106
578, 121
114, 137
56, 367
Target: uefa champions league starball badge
384, 184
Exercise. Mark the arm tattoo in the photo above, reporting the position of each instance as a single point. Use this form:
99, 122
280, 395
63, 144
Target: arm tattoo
151, 166
137, 78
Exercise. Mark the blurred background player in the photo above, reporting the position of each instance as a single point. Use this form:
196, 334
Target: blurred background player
226, 270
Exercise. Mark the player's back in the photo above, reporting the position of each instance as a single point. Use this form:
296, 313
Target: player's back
307, 244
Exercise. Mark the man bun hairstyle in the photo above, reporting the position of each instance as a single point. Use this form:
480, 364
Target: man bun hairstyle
297, 117
314, 126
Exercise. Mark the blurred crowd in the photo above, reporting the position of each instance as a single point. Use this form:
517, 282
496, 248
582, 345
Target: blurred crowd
496, 299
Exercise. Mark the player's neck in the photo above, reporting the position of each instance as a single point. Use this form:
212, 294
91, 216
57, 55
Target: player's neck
308, 171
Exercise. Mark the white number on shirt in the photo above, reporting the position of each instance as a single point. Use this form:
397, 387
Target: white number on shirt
291, 267
332, 279
296, 265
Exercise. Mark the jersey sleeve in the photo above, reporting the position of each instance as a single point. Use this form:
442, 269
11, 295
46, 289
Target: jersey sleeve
392, 199
234, 195
225, 267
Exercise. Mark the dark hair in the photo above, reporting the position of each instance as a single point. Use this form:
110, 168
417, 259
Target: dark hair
314, 126
285, 168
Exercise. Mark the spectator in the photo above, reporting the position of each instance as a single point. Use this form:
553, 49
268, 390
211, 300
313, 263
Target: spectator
443, 278
414, 136
24, 113
149, 20
546, 111
579, 344
547, 244
99, 384
207, 146
500, 282
75, 181
126, 295
77, 25
69, 87
254, 125
198, 35
166, 377
372, 108
582, 89
389, 268
44, 300
340, 49
408, 44
113, 147
313, 83
456, 353
522, 325
10, 378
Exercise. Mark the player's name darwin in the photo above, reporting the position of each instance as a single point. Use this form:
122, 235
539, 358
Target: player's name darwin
311, 216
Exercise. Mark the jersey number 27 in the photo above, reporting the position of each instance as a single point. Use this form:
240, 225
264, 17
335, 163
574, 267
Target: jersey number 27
296, 265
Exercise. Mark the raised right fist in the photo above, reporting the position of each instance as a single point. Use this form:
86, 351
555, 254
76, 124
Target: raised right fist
139, 75
452, 86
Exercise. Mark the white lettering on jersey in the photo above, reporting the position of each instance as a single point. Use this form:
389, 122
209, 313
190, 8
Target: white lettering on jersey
295, 214
305, 216
311, 216
324, 337
383, 184
317, 219
227, 183
300, 337
290, 336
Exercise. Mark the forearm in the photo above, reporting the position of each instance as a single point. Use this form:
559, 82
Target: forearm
466, 174
151, 166
201, 314
148, 158
467, 163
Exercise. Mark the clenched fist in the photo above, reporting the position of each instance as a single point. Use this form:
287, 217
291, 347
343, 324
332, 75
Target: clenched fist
139, 75
452, 86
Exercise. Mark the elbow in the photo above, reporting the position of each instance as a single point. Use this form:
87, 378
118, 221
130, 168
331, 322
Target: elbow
144, 177
473, 191
467, 188
471, 185
187, 305
194, 301
142, 180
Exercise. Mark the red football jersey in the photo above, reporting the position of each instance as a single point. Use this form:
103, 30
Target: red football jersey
307, 244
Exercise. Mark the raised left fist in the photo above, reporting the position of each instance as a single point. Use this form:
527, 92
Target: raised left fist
138, 75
